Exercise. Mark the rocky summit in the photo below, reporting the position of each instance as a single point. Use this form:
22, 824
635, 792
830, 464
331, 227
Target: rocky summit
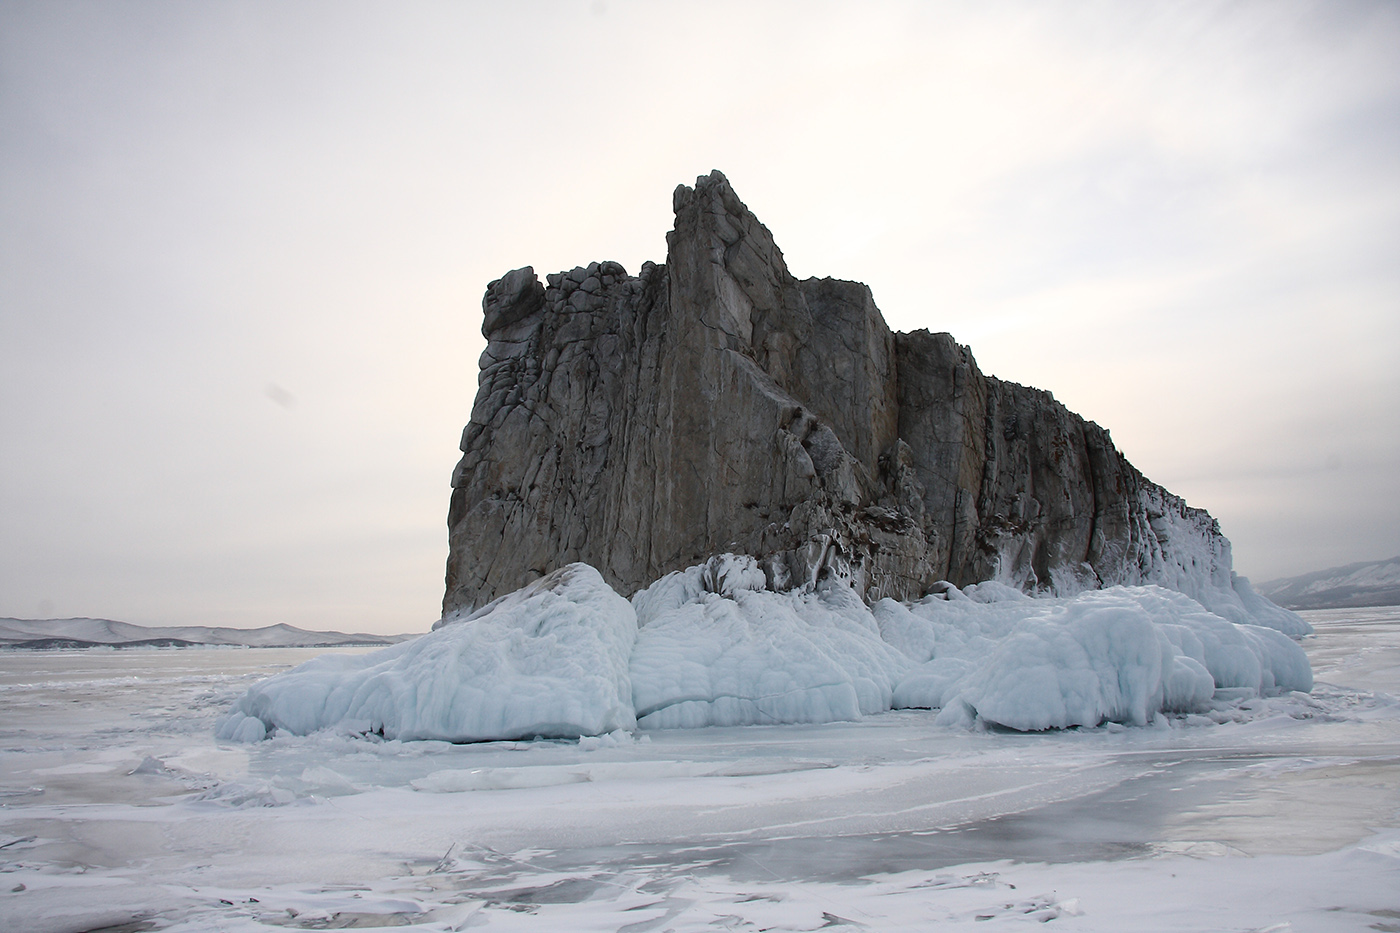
645, 423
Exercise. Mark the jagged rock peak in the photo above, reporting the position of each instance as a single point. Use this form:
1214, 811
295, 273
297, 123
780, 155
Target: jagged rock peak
642, 424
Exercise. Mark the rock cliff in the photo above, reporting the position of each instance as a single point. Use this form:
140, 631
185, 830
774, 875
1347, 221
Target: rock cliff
642, 424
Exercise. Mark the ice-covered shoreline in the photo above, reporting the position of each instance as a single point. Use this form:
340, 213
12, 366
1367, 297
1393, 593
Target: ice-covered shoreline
567, 656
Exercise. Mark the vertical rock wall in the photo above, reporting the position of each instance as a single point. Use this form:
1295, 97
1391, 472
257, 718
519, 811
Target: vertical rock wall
642, 424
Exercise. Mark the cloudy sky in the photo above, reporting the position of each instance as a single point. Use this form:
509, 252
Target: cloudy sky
243, 247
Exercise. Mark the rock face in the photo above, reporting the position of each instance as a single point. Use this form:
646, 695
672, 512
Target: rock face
714, 404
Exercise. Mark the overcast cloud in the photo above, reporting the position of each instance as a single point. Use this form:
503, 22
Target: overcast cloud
243, 247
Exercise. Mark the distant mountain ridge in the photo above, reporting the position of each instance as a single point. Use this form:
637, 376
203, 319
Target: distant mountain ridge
1368, 583
96, 633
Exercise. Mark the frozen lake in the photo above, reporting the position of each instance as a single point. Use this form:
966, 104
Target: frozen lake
120, 811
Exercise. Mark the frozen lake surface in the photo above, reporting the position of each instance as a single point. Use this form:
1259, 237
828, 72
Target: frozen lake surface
120, 811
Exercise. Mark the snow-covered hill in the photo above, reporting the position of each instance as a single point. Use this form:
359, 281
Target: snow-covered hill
1371, 583
91, 633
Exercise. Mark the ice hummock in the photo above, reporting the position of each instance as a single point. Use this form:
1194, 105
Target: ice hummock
1124, 654
567, 656
717, 649
547, 660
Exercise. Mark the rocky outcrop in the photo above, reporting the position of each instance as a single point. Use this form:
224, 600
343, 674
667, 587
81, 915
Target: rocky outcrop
714, 404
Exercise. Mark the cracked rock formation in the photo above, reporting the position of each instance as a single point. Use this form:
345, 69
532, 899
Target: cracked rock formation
642, 424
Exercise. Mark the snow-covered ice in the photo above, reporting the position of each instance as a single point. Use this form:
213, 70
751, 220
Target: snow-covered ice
711, 646
121, 809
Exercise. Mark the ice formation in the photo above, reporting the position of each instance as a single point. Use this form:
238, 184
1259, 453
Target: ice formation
547, 660
1123, 654
712, 645
717, 648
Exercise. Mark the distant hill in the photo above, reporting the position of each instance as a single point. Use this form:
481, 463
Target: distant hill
1370, 583
94, 633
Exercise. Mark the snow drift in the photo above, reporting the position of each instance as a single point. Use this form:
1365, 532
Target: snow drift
567, 656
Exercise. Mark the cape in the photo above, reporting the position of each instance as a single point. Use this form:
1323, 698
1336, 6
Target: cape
716, 404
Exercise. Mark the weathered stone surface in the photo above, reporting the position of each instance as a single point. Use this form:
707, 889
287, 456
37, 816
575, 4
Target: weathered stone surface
644, 423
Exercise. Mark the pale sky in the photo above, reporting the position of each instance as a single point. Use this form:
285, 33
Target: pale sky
243, 248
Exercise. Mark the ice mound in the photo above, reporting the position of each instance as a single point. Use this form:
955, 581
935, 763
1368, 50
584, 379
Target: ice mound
716, 649
1261, 611
549, 659
1123, 654
567, 656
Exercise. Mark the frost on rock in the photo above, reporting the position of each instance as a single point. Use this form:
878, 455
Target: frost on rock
547, 660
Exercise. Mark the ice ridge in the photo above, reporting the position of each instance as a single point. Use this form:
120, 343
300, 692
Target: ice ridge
567, 656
